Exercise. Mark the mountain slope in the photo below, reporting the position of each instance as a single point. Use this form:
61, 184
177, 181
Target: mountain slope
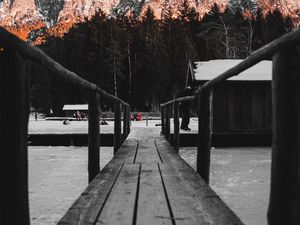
24, 16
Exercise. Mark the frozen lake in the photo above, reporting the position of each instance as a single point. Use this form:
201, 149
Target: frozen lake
57, 176
241, 177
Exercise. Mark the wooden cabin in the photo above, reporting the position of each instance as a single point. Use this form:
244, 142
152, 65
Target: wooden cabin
242, 106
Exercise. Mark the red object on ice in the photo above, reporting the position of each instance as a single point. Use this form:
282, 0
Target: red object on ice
139, 116
136, 116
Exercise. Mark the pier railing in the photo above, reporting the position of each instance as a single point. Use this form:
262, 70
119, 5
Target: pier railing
14, 113
284, 202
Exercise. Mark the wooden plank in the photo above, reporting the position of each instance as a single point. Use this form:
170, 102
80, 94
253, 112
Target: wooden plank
152, 205
14, 112
147, 152
284, 206
86, 208
127, 152
192, 200
169, 155
120, 205
94, 135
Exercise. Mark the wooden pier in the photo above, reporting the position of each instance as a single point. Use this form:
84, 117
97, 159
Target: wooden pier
147, 182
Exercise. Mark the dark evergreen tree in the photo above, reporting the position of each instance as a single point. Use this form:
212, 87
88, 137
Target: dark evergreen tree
146, 59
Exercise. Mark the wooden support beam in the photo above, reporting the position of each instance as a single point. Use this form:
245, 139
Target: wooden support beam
284, 205
14, 112
176, 127
94, 135
162, 110
167, 131
117, 127
204, 133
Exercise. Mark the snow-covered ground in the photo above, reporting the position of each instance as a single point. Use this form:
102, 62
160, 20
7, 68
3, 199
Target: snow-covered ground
57, 176
51, 126
241, 177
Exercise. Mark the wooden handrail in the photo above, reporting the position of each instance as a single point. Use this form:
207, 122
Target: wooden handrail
11, 41
186, 98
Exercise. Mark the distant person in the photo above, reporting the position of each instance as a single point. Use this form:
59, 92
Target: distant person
35, 116
77, 115
185, 109
82, 115
103, 121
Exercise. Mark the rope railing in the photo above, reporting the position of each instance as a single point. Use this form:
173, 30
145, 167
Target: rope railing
14, 114
284, 208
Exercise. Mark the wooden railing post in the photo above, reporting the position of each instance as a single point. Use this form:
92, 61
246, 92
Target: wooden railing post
128, 120
167, 131
94, 135
284, 204
162, 111
176, 127
14, 112
125, 123
204, 133
117, 127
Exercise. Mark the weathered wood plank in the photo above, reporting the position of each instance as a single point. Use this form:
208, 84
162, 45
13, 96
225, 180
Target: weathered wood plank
86, 208
14, 105
120, 205
192, 200
284, 206
152, 205
147, 152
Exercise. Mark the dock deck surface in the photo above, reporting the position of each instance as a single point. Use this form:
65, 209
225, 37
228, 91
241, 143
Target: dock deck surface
148, 183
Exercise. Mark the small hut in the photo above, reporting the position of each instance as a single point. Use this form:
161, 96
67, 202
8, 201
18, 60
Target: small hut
242, 106
70, 110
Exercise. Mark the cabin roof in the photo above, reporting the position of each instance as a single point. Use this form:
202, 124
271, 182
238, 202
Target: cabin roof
76, 107
207, 70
